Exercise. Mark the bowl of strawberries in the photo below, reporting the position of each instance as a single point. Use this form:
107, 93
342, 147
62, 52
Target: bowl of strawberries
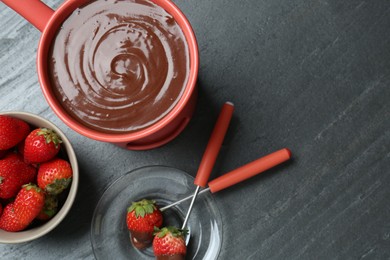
38, 176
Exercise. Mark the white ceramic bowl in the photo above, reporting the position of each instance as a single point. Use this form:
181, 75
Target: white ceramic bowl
36, 232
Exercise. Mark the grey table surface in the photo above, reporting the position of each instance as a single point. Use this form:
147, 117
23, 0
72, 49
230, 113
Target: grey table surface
313, 76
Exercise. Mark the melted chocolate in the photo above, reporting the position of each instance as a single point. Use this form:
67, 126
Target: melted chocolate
170, 257
141, 240
119, 66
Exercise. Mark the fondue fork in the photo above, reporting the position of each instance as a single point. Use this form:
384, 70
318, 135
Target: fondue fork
211, 153
242, 173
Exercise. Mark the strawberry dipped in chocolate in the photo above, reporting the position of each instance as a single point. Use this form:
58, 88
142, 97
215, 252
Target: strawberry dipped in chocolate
142, 218
169, 244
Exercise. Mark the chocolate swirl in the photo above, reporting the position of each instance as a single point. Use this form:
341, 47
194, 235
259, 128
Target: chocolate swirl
119, 66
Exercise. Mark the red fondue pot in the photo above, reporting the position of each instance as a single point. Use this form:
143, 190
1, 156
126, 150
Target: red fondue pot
48, 21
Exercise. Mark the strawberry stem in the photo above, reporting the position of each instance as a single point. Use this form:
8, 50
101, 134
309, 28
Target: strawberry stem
142, 207
50, 136
176, 232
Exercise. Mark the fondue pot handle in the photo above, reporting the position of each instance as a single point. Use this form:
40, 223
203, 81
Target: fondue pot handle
34, 11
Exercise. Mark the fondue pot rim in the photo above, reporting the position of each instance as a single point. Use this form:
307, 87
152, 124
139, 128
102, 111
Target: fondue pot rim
45, 42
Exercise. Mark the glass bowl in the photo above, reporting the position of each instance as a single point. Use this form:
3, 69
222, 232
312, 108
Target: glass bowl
109, 235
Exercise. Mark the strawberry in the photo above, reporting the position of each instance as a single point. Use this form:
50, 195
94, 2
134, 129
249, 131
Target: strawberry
1, 209
14, 172
49, 209
142, 217
28, 203
41, 145
26, 207
12, 131
9, 221
169, 241
54, 176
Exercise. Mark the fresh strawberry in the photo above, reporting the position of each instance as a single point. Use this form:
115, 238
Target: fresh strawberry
49, 209
19, 214
14, 172
1, 209
41, 145
28, 203
169, 241
12, 131
54, 176
142, 217
9, 221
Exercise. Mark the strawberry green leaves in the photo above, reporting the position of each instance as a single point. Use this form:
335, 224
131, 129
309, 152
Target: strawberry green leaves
174, 231
50, 136
143, 207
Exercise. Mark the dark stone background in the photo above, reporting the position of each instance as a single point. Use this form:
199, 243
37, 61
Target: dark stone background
313, 76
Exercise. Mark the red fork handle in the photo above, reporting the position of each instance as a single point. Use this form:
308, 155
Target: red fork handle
249, 170
34, 11
214, 145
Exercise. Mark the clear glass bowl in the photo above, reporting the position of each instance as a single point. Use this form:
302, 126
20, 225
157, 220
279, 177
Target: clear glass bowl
109, 235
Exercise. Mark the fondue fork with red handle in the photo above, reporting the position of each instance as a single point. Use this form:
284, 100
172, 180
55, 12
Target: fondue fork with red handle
242, 173
211, 152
